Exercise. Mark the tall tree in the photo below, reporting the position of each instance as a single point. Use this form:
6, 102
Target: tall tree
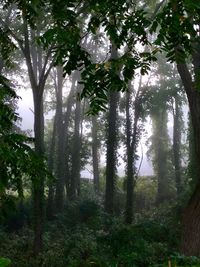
76, 148
95, 156
111, 144
66, 134
179, 22
59, 197
51, 161
38, 70
132, 138
177, 134
160, 145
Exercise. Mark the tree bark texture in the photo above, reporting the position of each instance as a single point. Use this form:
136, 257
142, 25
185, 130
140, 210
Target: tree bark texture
66, 144
177, 114
76, 150
51, 158
95, 158
130, 167
111, 152
60, 159
38, 185
160, 145
131, 146
111, 144
190, 241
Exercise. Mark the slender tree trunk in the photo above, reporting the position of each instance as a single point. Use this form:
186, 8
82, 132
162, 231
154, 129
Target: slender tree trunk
130, 162
111, 144
60, 141
111, 152
76, 160
131, 143
51, 155
38, 185
66, 118
177, 145
132, 140
66, 143
160, 143
95, 159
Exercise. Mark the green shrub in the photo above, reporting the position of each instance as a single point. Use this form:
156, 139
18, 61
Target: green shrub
4, 262
181, 260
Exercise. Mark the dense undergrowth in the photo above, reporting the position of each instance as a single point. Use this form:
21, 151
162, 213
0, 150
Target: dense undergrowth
85, 236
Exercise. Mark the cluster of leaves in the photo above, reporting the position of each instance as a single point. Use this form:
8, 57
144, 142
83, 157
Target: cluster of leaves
27, 9
178, 29
113, 75
6, 49
181, 260
125, 27
122, 22
4, 262
65, 37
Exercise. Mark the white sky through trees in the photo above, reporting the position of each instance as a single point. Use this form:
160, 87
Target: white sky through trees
25, 110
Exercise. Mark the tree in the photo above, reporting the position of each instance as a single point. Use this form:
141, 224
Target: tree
95, 156
76, 148
111, 144
38, 71
177, 102
16, 156
179, 36
133, 133
160, 146
157, 102
60, 160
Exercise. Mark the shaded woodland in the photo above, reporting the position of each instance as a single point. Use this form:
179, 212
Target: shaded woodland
114, 84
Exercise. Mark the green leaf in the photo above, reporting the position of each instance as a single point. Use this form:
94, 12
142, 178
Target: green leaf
4, 262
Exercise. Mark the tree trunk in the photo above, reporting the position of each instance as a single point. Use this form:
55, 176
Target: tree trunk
111, 152
193, 163
131, 144
51, 156
76, 150
130, 162
60, 141
190, 241
160, 143
177, 145
66, 141
111, 144
38, 185
95, 159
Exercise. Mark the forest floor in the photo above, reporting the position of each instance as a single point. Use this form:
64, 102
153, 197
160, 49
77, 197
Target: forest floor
84, 236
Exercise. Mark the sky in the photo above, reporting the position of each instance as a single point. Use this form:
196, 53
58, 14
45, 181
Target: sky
25, 108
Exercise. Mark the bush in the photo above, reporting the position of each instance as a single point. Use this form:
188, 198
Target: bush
4, 262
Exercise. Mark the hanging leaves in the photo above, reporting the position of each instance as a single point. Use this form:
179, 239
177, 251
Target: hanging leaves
178, 29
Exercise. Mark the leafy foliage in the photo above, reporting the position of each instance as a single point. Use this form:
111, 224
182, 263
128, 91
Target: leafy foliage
177, 29
4, 262
126, 28
106, 242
